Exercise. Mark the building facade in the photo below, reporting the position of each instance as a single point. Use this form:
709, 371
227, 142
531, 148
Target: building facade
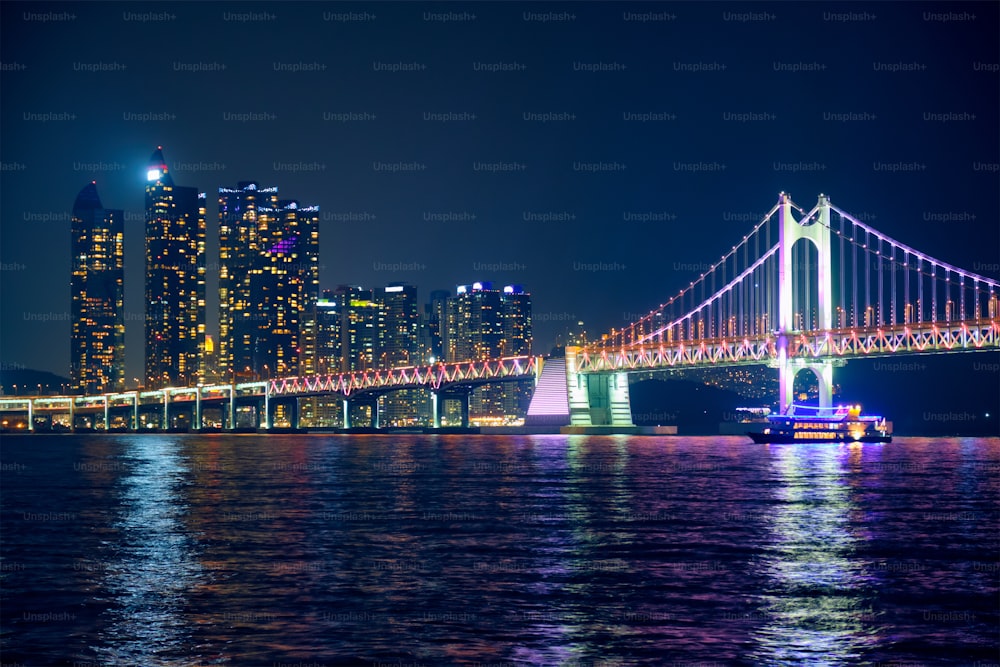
175, 280
97, 304
433, 329
517, 341
400, 338
399, 345
240, 242
486, 323
268, 277
319, 337
361, 322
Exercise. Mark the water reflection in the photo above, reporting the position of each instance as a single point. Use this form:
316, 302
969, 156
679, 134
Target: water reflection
814, 610
580, 517
153, 567
555, 550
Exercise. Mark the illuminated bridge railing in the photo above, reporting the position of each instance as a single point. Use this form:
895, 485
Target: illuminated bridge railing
925, 338
717, 352
433, 377
824, 271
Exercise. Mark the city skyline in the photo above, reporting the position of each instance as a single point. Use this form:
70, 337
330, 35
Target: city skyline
173, 211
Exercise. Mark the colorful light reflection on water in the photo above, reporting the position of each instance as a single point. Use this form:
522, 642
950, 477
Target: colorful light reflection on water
552, 550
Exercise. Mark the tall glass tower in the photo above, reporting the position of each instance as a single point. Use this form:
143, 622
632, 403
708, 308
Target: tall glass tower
175, 279
268, 277
97, 347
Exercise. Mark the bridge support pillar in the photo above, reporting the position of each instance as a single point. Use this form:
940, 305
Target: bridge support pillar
463, 402
268, 415
596, 399
260, 412
370, 401
196, 426
440, 397
165, 424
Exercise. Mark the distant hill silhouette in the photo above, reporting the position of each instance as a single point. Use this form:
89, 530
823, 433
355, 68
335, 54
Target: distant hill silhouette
696, 409
27, 381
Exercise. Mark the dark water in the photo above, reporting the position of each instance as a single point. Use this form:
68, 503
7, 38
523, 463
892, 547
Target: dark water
514, 550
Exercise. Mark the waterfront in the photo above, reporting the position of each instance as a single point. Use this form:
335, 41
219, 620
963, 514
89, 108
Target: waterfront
521, 550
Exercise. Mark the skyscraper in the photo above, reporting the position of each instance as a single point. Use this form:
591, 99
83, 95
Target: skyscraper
175, 279
319, 354
401, 326
517, 339
360, 328
268, 276
484, 323
319, 337
516, 313
239, 245
475, 323
97, 340
434, 329
400, 346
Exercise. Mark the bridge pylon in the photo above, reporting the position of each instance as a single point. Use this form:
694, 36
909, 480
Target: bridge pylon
596, 400
816, 231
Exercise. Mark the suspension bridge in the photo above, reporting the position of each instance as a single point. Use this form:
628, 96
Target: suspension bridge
796, 293
802, 291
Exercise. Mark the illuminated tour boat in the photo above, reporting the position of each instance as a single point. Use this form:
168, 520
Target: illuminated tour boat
810, 424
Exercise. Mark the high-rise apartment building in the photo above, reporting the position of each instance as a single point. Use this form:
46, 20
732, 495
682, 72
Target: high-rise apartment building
175, 279
517, 339
319, 354
484, 323
319, 337
97, 340
401, 325
268, 277
361, 328
399, 345
434, 330
239, 245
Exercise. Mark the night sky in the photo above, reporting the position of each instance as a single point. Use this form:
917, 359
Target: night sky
598, 114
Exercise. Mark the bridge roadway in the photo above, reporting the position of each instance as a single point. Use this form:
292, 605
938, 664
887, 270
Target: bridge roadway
843, 344
183, 408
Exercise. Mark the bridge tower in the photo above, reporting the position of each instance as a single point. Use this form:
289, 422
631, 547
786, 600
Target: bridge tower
817, 232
